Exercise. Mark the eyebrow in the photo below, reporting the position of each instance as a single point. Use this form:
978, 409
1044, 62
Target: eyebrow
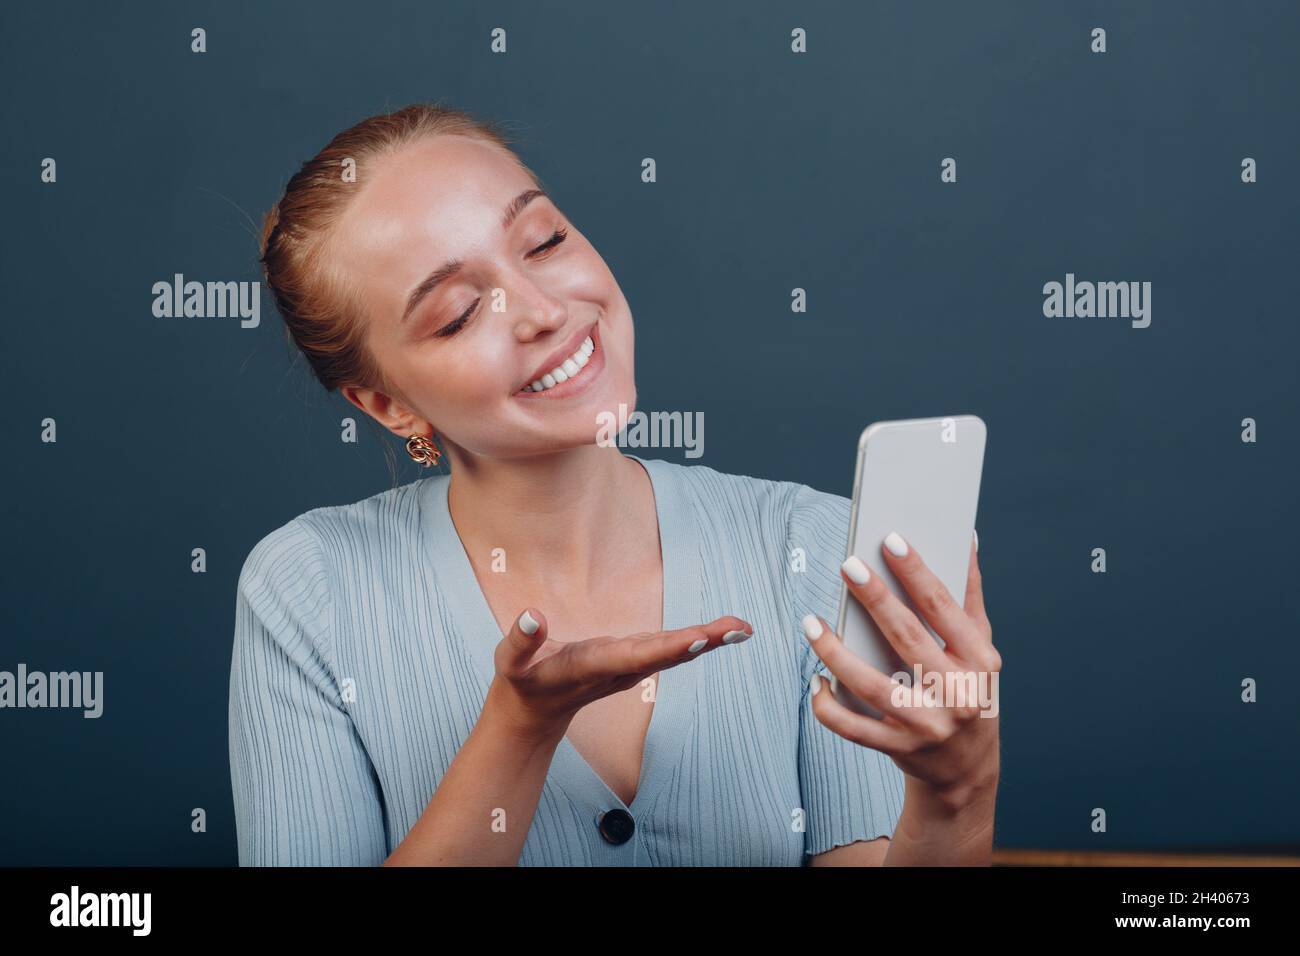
452, 266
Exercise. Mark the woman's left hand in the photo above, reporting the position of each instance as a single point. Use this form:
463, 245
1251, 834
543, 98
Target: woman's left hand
946, 746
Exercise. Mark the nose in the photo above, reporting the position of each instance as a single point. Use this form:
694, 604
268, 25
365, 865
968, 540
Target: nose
533, 310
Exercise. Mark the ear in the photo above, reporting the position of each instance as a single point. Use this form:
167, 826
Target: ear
389, 412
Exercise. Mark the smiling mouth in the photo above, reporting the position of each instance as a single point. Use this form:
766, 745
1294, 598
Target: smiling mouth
572, 374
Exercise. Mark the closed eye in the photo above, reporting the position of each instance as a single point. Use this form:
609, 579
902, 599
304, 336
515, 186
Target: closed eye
455, 325
557, 237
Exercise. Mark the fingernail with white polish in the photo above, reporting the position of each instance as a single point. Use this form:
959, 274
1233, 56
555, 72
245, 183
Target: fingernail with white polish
856, 570
735, 637
815, 684
527, 624
977, 540
896, 545
698, 645
812, 628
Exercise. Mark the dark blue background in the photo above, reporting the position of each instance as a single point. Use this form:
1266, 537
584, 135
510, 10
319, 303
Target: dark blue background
775, 171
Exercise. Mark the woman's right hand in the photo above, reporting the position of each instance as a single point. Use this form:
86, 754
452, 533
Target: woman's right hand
542, 683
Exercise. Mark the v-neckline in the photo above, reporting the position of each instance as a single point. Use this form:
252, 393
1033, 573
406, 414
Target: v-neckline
675, 691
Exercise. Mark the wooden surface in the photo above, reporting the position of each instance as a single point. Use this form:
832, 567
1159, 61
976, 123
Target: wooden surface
1126, 858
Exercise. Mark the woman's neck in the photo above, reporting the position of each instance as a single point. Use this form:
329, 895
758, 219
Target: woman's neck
566, 520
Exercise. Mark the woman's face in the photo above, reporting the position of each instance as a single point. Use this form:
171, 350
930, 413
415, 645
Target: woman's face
465, 314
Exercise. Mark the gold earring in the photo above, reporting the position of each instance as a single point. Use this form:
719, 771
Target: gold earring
422, 450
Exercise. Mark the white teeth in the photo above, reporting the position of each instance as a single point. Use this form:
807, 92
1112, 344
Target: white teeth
570, 367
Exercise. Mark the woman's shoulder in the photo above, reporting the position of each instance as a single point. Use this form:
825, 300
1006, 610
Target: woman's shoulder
749, 498
790, 525
340, 531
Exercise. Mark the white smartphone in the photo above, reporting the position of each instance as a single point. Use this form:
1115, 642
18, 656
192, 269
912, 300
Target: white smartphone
921, 478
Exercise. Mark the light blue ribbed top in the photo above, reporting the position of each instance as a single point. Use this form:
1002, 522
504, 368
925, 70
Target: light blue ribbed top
363, 652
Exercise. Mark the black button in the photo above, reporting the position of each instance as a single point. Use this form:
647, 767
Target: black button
616, 826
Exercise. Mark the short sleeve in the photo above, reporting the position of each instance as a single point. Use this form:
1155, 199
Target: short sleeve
304, 788
850, 792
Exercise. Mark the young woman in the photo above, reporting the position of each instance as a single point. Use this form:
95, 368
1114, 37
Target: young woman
558, 653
